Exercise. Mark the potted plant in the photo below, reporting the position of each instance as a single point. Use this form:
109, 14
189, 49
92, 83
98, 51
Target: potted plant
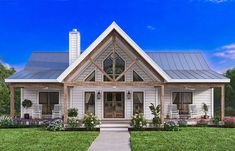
156, 121
27, 104
205, 110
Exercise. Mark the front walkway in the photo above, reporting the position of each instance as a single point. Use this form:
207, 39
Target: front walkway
111, 141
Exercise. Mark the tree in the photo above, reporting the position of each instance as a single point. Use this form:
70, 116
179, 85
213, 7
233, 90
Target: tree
229, 95
4, 91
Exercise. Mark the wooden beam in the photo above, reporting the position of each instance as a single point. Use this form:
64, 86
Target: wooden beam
101, 70
87, 58
37, 85
222, 102
127, 69
162, 103
114, 60
65, 104
110, 83
194, 85
12, 101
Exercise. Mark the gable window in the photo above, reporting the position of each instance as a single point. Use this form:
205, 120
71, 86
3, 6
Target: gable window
138, 102
91, 77
89, 102
118, 65
136, 77
182, 100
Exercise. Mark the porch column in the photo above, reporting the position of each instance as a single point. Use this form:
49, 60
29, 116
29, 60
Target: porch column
65, 104
162, 103
12, 101
222, 102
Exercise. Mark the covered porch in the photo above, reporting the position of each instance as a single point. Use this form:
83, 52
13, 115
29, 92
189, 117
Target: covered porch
64, 95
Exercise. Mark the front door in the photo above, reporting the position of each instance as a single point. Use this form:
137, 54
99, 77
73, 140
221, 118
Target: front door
114, 104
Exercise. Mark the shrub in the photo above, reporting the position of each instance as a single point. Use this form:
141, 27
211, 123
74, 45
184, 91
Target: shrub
229, 123
138, 121
155, 112
171, 126
27, 103
56, 125
5, 121
73, 122
90, 121
182, 123
216, 120
73, 112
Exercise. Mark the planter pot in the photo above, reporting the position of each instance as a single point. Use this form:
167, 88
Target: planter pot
26, 116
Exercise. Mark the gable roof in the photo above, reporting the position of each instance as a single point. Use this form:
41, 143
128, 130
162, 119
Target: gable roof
112, 27
172, 66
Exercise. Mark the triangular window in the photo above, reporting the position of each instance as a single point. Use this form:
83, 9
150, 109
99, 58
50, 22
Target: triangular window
91, 77
136, 77
118, 65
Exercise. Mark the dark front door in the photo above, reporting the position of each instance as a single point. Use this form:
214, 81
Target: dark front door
114, 104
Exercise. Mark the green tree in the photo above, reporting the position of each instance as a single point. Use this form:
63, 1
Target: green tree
229, 95
4, 91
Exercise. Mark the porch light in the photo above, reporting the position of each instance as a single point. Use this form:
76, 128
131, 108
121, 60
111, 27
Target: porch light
98, 95
128, 95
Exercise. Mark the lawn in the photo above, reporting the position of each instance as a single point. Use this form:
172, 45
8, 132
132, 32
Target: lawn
206, 139
39, 139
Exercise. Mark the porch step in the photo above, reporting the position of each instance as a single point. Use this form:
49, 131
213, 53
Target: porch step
114, 127
115, 121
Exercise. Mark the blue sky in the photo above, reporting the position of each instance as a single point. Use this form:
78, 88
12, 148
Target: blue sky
155, 25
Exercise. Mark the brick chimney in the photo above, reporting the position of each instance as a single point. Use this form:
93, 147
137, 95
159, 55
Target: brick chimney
74, 45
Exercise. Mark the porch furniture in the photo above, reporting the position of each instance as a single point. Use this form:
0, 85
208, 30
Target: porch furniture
37, 111
192, 110
57, 111
173, 112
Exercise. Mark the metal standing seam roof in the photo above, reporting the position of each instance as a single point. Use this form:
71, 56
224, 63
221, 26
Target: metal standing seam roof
178, 65
44, 65
184, 65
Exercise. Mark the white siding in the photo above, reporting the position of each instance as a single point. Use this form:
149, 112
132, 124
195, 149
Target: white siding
78, 99
199, 96
33, 95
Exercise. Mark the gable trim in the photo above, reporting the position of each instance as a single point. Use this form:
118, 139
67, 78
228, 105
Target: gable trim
112, 27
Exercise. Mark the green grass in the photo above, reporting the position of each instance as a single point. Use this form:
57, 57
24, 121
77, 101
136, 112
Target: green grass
188, 139
38, 139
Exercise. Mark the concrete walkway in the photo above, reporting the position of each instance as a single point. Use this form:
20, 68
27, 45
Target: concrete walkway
111, 141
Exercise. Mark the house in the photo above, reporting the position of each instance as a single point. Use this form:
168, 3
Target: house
114, 78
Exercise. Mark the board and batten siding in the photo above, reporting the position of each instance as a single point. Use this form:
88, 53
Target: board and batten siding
200, 96
78, 100
125, 54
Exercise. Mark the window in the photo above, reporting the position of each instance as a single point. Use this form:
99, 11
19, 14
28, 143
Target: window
138, 102
90, 102
91, 77
48, 100
119, 67
182, 99
136, 77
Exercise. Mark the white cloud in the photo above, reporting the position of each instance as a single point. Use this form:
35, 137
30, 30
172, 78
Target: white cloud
150, 27
227, 51
218, 1
5, 64
212, 1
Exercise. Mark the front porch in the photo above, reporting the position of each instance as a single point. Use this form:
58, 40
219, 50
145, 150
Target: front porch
60, 108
